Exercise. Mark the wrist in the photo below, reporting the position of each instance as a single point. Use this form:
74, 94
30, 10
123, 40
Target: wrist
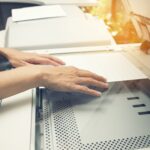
43, 74
33, 75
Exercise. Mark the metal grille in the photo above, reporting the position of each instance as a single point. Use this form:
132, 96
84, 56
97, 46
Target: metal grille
67, 134
68, 138
46, 126
120, 144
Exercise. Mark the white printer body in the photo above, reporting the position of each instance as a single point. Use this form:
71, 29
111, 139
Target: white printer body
118, 120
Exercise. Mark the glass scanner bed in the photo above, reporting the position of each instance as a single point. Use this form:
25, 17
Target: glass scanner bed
118, 120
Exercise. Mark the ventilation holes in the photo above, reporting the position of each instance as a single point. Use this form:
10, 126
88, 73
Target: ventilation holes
67, 135
133, 98
139, 105
46, 125
144, 113
68, 138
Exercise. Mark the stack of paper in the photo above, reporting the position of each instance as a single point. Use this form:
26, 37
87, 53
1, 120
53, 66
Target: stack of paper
38, 12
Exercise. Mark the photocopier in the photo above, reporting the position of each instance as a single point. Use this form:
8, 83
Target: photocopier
119, 119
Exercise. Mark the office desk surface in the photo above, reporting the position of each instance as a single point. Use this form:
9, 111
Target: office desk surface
15, 122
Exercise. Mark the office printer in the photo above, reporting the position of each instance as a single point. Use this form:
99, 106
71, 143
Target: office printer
118, 120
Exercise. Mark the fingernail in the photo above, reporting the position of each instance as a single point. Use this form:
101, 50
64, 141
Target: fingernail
63, 63
98, 93
106, 85
105, 80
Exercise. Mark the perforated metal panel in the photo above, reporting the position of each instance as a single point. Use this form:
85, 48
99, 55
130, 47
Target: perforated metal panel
62, 123
68, 138
47, 125
66, 130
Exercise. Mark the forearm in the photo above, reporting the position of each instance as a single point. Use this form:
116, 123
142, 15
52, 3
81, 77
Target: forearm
18, 80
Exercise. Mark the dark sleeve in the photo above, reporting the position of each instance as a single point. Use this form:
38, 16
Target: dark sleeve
4, 63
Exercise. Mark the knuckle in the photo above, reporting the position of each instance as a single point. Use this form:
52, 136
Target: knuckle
74, 70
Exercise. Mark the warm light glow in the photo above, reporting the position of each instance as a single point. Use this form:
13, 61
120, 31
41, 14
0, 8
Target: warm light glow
116, 19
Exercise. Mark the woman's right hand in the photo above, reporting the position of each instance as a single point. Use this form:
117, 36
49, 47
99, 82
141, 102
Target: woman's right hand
70, 79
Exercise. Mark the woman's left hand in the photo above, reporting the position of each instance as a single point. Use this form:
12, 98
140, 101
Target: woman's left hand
18, 58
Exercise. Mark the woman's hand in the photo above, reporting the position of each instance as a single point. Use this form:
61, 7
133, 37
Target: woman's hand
18, 58
59, 78
71, 79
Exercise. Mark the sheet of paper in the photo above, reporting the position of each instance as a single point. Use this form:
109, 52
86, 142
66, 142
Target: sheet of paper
113, 66
143, 58
71, 2
37, 12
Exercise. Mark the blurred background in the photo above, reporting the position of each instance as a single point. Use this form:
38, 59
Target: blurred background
118, 21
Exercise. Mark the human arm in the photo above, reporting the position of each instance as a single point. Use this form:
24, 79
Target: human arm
17, 80
18, 58
61, 78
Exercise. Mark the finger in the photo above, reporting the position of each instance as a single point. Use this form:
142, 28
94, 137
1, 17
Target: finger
43, 61
85, 90
50, 62
85, 73
92, 82
57, 60
18, 63
54, 59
